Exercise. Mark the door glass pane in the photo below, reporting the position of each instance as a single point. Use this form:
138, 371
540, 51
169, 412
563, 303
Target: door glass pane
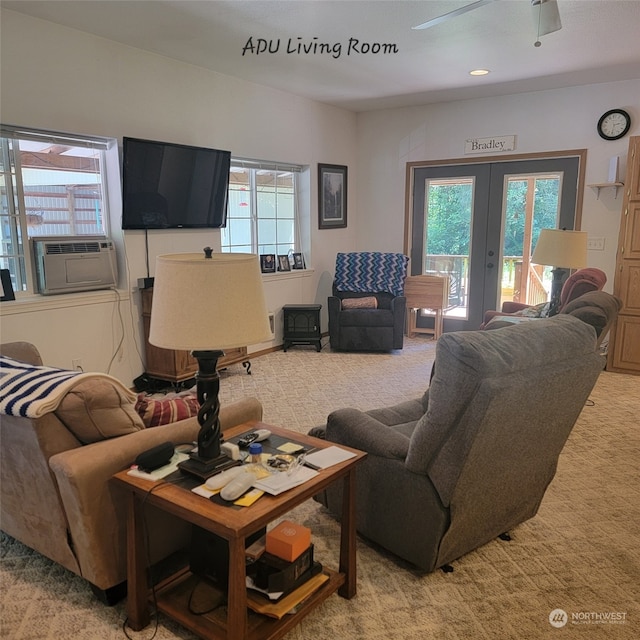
448, 223
531, 203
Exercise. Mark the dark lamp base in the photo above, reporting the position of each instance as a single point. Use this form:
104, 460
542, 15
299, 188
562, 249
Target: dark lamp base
556, 289
203, 468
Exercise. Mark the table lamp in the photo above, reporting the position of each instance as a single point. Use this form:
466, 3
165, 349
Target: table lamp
205, 303
563, 250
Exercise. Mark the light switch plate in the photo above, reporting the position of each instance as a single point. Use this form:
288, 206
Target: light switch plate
595, 244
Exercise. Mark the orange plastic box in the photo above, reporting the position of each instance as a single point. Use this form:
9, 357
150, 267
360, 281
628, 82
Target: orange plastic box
288, 540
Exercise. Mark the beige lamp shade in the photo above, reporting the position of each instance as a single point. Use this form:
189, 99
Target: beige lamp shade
211, 303
561, 248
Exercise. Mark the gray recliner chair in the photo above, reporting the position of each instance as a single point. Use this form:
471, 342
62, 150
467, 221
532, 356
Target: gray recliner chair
367, 309
473, 457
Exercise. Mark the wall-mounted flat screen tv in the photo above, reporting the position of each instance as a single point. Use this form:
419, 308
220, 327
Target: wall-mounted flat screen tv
173, 186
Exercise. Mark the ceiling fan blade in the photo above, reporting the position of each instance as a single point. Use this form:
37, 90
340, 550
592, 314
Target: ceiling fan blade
546, 16
452, 14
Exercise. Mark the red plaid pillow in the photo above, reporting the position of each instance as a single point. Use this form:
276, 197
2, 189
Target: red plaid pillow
158, 411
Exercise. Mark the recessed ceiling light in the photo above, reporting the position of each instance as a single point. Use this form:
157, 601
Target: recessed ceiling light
479, 72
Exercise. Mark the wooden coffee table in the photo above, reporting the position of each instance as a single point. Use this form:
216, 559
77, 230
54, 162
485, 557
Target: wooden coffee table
234, 525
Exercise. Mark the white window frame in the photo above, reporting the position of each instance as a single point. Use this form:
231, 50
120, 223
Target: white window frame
15, 212
257, 165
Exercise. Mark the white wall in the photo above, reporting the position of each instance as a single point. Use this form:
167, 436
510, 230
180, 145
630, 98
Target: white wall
561, 119
57, 78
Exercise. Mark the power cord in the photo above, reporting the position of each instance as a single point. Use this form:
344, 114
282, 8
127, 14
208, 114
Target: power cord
121, 341
219, 602
134, 321
145, 530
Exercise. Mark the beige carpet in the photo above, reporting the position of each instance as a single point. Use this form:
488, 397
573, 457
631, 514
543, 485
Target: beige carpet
581, 553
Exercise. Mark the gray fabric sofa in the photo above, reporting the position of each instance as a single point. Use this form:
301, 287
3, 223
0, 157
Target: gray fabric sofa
473, 457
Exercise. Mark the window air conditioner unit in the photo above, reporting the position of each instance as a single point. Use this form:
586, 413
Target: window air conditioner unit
74, 263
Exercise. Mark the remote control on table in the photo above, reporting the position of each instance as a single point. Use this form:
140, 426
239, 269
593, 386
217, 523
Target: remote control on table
255, 436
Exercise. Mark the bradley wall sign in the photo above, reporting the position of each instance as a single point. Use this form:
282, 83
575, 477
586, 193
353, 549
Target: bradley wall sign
490, 145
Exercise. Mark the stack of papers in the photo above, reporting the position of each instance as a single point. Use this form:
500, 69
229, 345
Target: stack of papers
288, 603
276, 483
324, 458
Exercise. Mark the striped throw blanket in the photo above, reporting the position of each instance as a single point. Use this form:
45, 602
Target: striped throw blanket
30, 392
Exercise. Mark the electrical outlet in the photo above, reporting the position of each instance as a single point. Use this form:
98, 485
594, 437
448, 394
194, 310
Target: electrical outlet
595, 244
76, 363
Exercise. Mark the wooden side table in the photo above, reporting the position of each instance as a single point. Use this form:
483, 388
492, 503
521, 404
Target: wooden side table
426, 292
234, 525
301, 325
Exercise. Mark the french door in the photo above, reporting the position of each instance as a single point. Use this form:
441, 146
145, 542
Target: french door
478, 223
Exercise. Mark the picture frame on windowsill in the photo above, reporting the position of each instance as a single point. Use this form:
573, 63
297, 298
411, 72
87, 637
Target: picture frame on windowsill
283, 263
332, 196
298, 261
268, 262
6, 286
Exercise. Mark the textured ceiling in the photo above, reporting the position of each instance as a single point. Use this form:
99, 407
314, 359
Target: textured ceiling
363, 54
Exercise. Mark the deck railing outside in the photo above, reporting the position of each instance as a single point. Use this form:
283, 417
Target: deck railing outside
529, 286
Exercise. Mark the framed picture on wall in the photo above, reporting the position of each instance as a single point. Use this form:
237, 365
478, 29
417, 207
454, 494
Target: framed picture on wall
332, 196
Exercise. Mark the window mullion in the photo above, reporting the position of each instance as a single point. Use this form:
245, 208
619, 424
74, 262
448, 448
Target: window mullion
25, 265
253, 183
17, 223
296, 209
11, 217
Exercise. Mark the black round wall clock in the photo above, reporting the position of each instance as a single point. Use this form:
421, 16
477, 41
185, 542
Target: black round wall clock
614, 124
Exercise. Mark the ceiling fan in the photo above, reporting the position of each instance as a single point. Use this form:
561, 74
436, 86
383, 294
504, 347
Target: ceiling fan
545, 14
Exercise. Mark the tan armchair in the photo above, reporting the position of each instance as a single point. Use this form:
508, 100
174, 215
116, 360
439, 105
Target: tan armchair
57, 497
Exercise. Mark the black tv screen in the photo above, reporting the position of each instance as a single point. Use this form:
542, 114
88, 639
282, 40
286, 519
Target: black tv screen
173, 186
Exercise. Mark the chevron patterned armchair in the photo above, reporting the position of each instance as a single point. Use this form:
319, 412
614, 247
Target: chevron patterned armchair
367, 308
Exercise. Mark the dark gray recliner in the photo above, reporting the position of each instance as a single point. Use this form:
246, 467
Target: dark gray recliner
366, 329
473, 457
376, 277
